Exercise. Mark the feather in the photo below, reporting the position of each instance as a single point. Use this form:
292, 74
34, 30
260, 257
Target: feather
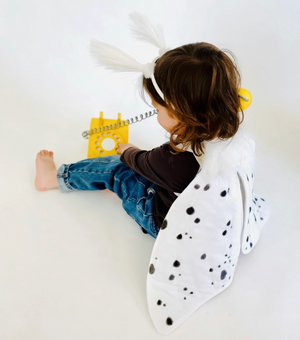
221, 155
143, 30
113, 58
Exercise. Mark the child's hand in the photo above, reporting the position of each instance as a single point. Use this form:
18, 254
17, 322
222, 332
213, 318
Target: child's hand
123, 147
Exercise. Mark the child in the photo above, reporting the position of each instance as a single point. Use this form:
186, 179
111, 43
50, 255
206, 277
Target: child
208, 163
200, 84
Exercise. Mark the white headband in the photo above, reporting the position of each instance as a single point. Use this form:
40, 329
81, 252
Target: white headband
114, 59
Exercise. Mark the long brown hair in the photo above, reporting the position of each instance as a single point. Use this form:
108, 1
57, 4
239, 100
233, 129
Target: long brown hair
200, 85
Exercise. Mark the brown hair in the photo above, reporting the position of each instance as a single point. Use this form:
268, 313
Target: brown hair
200, 85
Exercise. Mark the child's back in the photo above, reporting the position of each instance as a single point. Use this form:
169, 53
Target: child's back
171, 173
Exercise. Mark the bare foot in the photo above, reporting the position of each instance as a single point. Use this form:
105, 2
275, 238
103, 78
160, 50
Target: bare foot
45, 171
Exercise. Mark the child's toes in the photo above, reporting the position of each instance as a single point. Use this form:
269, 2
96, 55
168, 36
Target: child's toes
45, 153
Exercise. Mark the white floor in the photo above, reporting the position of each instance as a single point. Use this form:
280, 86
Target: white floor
74, 266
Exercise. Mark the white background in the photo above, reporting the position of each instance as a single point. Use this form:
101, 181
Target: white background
74, 266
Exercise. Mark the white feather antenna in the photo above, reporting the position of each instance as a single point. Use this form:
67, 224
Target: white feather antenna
142, 29
114, 59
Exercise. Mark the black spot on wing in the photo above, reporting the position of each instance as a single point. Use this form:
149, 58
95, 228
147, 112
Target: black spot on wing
190, 210
223, 274
151, 269
223, 193
207, 187
169, 321
176, 264
164, 225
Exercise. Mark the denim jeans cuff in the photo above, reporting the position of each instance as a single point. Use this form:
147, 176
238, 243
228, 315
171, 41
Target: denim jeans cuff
62, 179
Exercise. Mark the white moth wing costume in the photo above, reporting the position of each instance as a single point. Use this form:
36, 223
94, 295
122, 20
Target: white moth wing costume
197, 249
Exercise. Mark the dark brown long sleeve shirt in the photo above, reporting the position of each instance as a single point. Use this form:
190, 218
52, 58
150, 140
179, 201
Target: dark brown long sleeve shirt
171, 173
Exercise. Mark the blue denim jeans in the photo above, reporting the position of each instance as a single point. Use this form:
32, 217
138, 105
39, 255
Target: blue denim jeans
136, 192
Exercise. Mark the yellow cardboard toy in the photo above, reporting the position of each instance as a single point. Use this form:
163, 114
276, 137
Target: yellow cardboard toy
105, 143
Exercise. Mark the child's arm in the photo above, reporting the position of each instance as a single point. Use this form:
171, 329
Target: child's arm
123, 147
161, 167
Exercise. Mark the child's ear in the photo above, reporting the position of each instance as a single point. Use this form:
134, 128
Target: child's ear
171, 112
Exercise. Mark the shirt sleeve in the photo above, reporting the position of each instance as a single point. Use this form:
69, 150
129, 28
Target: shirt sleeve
153, 165
161, 167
